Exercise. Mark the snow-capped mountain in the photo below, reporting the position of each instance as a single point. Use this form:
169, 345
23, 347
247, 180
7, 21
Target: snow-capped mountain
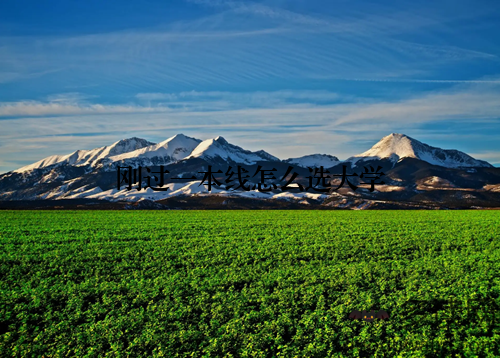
396, 146
220, 148
314, 160
170, 150
88, 157
412, 171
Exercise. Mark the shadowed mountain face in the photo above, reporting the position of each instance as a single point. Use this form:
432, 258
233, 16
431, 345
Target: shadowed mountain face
415, 175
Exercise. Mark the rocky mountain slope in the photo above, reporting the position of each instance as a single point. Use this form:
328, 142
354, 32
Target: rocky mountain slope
415, 175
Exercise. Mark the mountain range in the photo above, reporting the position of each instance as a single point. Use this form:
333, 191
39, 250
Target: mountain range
415, 175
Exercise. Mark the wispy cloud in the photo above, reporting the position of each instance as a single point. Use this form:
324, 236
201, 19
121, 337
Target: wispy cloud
248, 43
242, 99
56, 108
6, 77
264, 10
473, 102
402, 80
492, 157
73, 104
465, 101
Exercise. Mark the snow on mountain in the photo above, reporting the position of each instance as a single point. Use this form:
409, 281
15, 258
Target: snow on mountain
87, 157
172, 149
396, 146
174, 189
63, 181
314, 161
220, 148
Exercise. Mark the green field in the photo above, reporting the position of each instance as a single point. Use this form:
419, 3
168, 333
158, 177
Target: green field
249, 283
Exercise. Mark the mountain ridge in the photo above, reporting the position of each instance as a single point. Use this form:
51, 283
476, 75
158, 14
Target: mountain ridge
415, 175
86, 157
394, 147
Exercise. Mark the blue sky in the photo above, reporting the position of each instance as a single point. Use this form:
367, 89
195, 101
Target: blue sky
292, 77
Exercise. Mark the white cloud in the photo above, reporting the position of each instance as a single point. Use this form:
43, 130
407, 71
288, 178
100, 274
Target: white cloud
16, 75
477, 101
60, 107
489, 156
241, 99
248, 43
472, 102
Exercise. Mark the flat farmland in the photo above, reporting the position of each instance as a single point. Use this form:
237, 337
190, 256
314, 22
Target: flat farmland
249, 283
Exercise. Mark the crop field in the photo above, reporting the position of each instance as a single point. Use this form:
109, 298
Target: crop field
249, 283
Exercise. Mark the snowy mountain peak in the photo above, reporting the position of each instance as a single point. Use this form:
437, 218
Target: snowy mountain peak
267, 156
127, 141
179, 140
396, 146
314, 160
220, 148
393, 144
126, 145
88, 157
170, 150
180, 136
221, 140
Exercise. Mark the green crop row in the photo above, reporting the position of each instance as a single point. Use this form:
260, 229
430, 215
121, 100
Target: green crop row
249, 283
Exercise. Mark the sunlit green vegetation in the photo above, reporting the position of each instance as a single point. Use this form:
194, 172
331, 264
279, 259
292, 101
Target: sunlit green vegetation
249, 283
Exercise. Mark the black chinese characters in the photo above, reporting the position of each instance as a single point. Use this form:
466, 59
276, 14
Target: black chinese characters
263, 179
